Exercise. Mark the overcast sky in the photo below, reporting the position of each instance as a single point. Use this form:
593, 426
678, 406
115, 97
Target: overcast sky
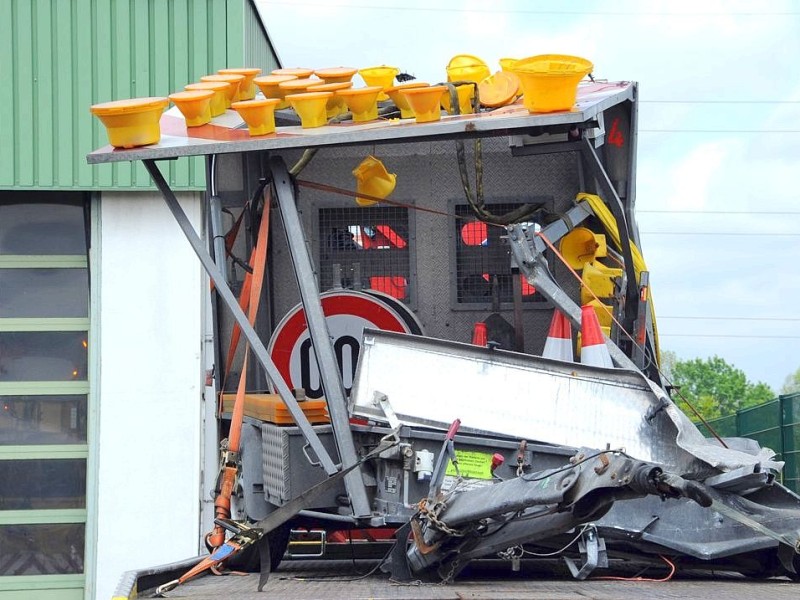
718, 196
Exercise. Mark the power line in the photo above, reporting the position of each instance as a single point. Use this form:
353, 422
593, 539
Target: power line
714, 335
748, 234
529, 11
781, 319
720, 212
719, 131
719, 101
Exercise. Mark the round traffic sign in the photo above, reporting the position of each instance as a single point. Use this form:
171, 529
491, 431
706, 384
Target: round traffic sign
347, 313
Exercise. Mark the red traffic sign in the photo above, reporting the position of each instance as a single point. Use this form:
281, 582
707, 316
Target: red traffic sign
347, 313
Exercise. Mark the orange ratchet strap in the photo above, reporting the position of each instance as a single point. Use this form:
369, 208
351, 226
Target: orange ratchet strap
249, 300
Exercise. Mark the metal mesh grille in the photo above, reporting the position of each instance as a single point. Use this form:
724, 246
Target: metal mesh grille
275, 458
365, 248
483, 261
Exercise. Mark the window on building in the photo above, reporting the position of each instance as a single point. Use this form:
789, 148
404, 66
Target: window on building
44, 342
366, 248
483, 261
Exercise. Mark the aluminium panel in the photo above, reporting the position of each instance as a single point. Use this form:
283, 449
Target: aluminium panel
432, 382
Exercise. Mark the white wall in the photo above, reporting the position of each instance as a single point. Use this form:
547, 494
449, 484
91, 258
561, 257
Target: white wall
150, 387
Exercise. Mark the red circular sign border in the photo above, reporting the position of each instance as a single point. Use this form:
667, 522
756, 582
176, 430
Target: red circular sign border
293, 325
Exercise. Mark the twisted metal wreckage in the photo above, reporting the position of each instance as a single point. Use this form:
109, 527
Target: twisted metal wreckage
573, 452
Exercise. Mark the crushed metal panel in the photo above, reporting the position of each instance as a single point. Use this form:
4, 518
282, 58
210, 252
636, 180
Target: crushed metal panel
431, 382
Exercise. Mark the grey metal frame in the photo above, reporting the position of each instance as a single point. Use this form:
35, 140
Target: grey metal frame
320, 336
466, 127
247, 330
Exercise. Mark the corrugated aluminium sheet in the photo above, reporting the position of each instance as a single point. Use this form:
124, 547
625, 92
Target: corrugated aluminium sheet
60, 57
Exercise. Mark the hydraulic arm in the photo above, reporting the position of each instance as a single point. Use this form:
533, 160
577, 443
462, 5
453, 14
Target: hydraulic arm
458, 526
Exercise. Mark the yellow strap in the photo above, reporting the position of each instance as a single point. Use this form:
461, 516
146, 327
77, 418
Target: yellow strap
603, 213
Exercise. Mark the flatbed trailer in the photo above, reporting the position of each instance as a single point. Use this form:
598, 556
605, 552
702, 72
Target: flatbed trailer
584, 461
491, 579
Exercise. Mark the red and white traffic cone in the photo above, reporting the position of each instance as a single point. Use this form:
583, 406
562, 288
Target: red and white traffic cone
559, 339
480, 336
593, 346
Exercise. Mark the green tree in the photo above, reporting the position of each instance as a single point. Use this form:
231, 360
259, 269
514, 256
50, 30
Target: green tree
716, 388
667, 364
792, 383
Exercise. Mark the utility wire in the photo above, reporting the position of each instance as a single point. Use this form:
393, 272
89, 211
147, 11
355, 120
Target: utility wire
724, 335
770, 131
719, 101
529, 11
781, 319
746, 233
719, 212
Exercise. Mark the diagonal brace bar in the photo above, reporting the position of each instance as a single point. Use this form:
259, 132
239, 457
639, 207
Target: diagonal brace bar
249, 333
320, 336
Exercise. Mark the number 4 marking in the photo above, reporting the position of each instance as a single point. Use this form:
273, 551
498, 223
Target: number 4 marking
615, 136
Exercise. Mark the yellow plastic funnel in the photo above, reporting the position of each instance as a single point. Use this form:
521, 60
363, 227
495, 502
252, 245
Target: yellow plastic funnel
550, 81
247, 90
311, 108
362, 102
465, 67
424, 101
581, 246
400, 101
297, 86
258, 114
382, 76
498, 89
373, 179
336, 105
131, 123
299, 72
195, 106
218, 100
598, 280
336, 74
233, 90
270, 87
465, 93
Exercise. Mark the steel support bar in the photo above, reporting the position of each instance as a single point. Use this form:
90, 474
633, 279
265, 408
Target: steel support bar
249, 333
615, 205
320, 336
643, 323
558, 229
215, 207
215, 214
534, 267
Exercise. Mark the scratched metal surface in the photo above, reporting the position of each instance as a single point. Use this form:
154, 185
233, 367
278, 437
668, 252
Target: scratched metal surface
431, 382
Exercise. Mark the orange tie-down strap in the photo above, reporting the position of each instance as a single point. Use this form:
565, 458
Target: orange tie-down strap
249, 301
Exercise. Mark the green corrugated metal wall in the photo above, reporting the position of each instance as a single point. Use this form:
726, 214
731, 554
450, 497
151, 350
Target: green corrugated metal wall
258, 49
775, 425
58, 57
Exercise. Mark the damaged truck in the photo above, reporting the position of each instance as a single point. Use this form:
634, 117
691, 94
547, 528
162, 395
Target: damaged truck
400, 373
